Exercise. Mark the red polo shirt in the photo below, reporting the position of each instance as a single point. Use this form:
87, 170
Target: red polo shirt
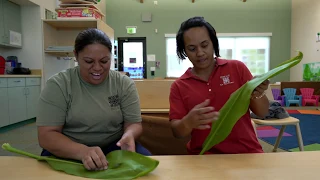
189, 90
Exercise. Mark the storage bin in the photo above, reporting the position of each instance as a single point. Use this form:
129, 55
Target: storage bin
2, 70
2, 65
78, 12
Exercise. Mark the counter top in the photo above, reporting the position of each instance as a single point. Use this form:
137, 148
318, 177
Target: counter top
18, 76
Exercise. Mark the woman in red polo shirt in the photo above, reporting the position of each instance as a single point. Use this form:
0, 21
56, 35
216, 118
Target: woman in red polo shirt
198, 95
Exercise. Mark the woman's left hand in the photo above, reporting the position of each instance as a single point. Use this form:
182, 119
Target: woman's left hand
260, 90
127, 142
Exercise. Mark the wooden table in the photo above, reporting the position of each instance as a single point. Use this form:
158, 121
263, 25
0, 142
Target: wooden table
273, 166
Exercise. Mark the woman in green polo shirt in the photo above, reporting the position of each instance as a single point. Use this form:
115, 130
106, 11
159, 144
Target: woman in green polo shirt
89, 110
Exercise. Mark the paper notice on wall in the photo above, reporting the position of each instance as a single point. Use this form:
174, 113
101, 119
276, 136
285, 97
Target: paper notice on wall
151, 57
15, 38
152, 68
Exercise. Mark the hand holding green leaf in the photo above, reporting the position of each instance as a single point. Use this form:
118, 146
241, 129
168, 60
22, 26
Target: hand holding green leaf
133, 165
258, 91
93, 158
238, 104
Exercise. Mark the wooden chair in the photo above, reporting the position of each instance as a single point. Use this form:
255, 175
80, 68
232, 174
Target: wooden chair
282, 122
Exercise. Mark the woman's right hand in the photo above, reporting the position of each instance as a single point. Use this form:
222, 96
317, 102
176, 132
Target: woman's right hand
200, 116
93, 158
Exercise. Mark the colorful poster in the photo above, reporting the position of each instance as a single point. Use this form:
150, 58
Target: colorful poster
311, 71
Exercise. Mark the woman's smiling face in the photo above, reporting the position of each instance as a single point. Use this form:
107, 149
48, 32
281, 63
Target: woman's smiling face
94, 62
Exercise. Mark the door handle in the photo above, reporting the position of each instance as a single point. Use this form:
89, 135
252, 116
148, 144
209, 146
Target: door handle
27, 91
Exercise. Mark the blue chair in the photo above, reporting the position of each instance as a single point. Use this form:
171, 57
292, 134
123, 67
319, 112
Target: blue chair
290, 97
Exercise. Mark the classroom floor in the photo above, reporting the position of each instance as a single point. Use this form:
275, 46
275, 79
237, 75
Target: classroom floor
23, 138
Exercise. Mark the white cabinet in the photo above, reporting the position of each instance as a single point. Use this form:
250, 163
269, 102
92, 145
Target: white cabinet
4, 109
32, 96
20, 97
17, 104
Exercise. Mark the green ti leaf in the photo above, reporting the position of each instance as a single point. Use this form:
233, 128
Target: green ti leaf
122, 164
238, 104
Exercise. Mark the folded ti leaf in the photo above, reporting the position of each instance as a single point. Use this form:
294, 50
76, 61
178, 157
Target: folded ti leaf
238, 104
122, 164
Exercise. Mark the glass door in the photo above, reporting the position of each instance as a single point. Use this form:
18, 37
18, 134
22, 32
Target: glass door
132, 57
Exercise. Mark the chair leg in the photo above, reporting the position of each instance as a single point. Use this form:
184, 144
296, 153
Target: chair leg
254, 127
299, 136
276, 145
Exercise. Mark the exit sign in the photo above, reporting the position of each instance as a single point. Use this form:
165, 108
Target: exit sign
131, 29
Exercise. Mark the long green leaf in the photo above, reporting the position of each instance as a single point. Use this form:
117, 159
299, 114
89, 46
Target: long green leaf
238, 104
122, 164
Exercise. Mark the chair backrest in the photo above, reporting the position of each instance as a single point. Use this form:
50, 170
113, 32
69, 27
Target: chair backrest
154, 94
306, 93
289, 93
276, 93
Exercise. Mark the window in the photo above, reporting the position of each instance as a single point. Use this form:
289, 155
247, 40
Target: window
252, 49
175, 66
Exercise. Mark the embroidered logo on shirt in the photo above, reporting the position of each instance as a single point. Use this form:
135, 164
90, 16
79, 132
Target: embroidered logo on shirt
114, 100
225, 80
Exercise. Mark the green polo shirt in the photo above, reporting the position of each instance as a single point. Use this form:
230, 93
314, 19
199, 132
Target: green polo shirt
93, 115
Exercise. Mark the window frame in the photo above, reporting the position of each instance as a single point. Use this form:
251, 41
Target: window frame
231, 35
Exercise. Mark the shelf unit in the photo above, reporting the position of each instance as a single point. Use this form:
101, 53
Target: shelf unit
63, 32
73, 23
60, 53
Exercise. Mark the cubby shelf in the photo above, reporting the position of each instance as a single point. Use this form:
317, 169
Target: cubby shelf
58, 40
60, 53
72, 23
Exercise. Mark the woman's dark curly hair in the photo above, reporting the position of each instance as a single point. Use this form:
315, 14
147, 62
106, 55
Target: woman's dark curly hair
191, 23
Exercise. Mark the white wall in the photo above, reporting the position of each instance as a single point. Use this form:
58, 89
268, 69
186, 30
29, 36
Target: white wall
46, 4
304, 28
31, 53
43, 4
32, 12
1, 51
53, 66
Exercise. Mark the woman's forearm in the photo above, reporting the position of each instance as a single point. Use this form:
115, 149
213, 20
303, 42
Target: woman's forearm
60, 145
180, 129
134, 128
260, 107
